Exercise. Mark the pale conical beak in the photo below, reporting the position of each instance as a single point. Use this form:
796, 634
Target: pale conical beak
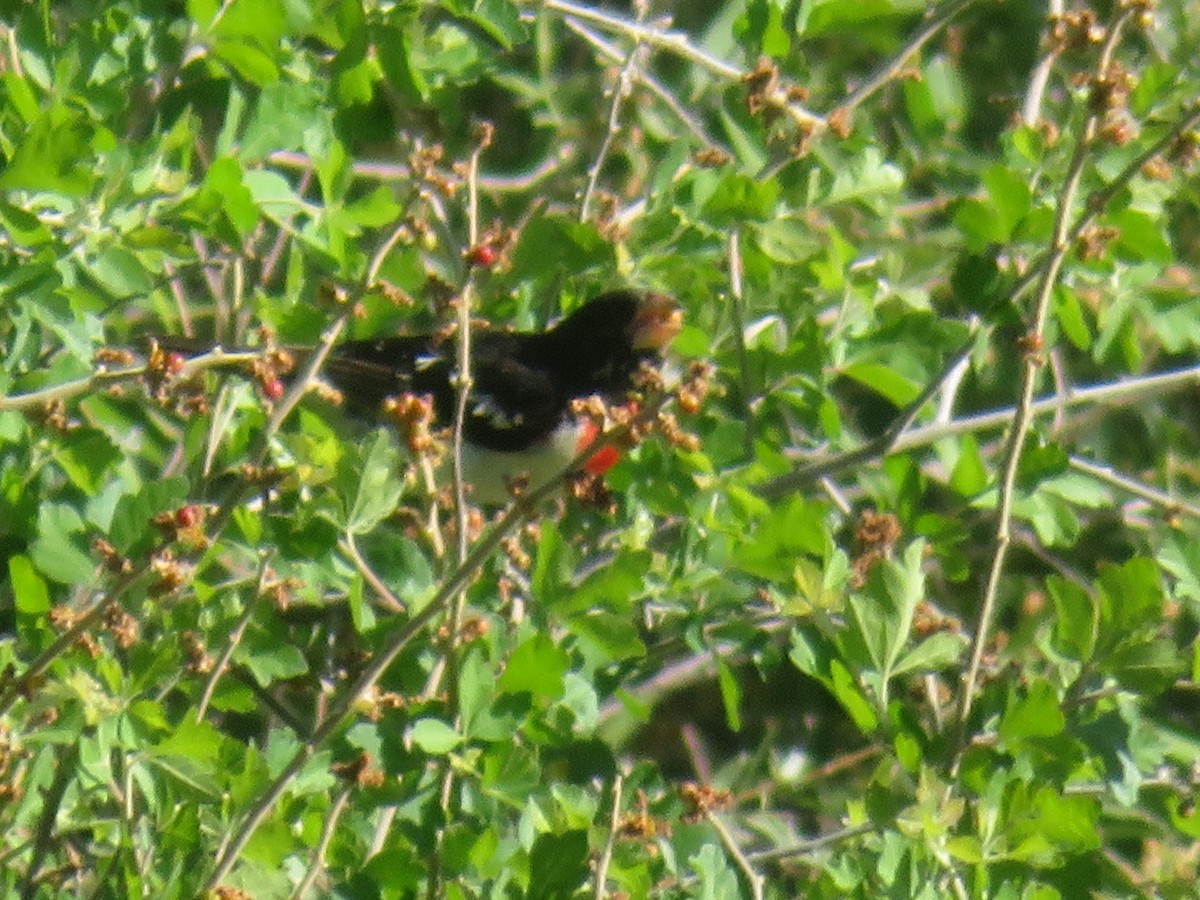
658, 321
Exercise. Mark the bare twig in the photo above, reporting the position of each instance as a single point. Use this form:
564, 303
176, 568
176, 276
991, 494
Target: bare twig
1171, 506
328, 828
737, 314
620, 91
937, 20
677, 42
1060, 244
235, 638
807, 848
753, 876
1031, 109
599, 886
348, 546
52, 798
103, 377
652, 84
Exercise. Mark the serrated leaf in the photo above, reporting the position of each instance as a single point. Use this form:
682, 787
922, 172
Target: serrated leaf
537, 666
731, 695
970, 475
57, 549
28, 587
1037, 714
378, 486
433, 736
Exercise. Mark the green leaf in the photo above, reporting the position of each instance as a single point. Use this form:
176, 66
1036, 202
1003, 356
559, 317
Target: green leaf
54, 154
377, 486
85, 457
885, 381
1131, 598
969, 476
433, 736
739, 197
131, 519
1010, 194
1076, 620
29, 588
1070, 318
1037, 714
537, 666
558, 865
843, 687
731, 695
269, 663
57, 549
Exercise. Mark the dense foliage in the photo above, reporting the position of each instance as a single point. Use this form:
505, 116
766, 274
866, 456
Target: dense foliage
911, 613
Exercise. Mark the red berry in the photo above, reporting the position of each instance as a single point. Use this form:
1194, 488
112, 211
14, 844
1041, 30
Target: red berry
175, 363
602, 460
187, 516
483, 255
273, 389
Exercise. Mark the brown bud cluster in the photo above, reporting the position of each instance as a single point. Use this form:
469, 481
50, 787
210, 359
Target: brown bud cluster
711, 158
1074, 31
589, 490
169, 573
1186, 149
280, 590
701, 799
122, 624
874, 538
470, 630
268, 371
762, 89
110, 559
53, 415
424, 162
113, 356
185, 524
1109, 90
1094, 242
162, 368
199, 660
359, 771
694, 388
1031, 346
413, 415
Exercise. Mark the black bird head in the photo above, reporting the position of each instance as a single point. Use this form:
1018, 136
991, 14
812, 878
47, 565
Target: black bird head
599, 346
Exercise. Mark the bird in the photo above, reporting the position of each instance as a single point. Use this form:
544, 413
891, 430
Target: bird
519, 424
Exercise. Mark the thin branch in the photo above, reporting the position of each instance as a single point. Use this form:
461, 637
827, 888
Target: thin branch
235, 638
753, 876
621, 90
1171, 506
348, 546
103, 376
599, 888
878, 446
937, 20
327, 831
737, 312
656, 87
16, 685
677, 42
52, 798
1031, 109
463, 384
1123, 391
1060, 245
807, 848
